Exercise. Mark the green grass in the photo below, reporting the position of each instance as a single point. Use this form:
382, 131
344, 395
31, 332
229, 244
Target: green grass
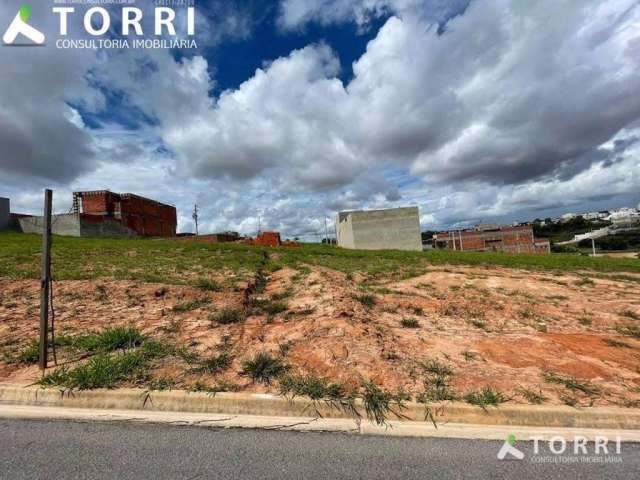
150, 260
101, 371
571, 383
191, 305
485, 397
366, 299
213, 364
629, 330
264, 368
534, 398
208, 285
410, 323
109, 340
228, 316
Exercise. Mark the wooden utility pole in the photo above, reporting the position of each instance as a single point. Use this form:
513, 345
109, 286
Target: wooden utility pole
45, 281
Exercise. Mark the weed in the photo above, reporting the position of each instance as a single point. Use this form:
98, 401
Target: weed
208, 285
481, 324
610, 342
161, 384
366, 299
102, 293
191, 305
263, 368
584, 281
629, 330
410, 323
485, 397
436, 382
101, 371
379, 403
419, 311
228, 316
586, 321
571, 383
29, 354
531, 396
213, 364
469, 355
630, 314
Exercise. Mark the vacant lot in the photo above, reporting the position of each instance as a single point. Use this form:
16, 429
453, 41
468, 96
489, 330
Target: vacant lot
327, 323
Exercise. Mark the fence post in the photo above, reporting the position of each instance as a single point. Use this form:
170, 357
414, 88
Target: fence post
45, 279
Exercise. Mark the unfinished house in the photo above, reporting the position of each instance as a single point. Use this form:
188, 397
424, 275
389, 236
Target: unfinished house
493, 239
389, 229
106, 214
140, 215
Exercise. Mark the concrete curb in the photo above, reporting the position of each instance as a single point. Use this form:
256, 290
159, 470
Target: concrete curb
276, 406
307, 424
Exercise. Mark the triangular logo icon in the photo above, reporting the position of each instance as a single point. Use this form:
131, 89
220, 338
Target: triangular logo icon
20, 26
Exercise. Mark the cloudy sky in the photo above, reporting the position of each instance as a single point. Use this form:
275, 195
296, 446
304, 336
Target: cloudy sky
291, 110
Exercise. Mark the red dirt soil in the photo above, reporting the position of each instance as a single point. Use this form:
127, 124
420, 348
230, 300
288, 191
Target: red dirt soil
493, 326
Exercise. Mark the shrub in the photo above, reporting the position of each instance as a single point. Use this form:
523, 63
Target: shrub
208, 285
190, 305
410, 323
379, 403
366, 299
101, 371
228, 316
263, 368
485, 397
214, 364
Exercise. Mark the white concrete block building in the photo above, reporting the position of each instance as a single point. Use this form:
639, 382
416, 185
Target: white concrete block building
389, 229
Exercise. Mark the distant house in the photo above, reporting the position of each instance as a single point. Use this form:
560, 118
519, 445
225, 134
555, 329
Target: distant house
493, 239
106, 214
392, 229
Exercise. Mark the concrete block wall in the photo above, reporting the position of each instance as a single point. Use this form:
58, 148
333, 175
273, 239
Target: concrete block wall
67, 225
390, 229
4, 213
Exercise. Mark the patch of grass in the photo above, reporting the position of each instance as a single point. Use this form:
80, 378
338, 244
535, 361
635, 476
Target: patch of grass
478, 323
29, 354
161, 384
535, 398
228, 316
487, 396
584, 281
263, 368
468, 355
410, 323
586, 321
419, 311
379, 403
209, 285
630, 314
93, 258
213, 364
366, 299
629, 330
436, 382
101, 371
112, 338
191, 305
610, 342
571, 383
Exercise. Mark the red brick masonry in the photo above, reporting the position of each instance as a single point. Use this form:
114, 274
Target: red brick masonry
144, 216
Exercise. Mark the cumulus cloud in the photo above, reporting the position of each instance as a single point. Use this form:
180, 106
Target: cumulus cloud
511, 107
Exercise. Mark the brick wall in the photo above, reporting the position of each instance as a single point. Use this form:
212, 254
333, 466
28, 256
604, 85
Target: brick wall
144, 216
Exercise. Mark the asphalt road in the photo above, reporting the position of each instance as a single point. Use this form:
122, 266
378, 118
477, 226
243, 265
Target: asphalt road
32, 449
